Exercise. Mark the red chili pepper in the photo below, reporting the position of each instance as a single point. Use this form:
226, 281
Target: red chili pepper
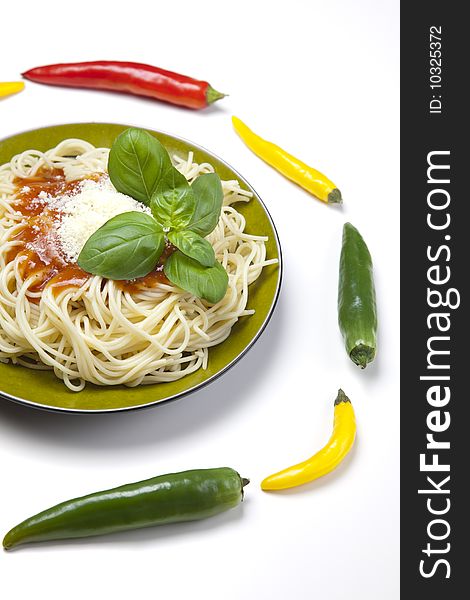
133, 78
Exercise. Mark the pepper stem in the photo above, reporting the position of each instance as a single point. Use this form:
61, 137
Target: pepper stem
341, 397
244, 481
362, 355
213, 95
334, 197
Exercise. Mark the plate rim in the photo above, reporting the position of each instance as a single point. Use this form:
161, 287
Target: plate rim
212, 378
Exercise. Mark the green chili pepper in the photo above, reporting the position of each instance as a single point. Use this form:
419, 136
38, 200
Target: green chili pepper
185, 496
357, 311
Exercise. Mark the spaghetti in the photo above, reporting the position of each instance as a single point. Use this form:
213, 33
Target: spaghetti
85, 328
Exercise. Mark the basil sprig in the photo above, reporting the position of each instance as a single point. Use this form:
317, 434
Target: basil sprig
130, 245
125, 247
136, 163
194, 246
173, 202
205, 282
209, 196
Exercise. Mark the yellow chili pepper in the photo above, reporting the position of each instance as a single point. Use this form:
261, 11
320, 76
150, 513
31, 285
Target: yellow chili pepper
294, 169
328, 458
10, 87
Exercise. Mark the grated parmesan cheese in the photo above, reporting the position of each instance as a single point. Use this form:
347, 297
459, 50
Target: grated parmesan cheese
86, 210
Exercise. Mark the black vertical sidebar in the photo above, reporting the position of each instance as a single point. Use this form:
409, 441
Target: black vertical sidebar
435, 326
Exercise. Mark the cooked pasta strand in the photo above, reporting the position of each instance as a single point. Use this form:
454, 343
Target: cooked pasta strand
99, 333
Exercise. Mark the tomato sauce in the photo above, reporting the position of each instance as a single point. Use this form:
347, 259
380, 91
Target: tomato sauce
39, 251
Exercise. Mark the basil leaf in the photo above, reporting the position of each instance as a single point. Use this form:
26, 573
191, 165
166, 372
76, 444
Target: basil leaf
209, 283
173, 202
136, 163
194, 246
125, 247
209, 196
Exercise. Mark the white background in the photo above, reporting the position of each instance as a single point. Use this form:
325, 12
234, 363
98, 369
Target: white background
321, 79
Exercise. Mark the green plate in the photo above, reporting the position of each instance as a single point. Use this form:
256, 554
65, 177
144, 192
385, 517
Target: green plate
41, 389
